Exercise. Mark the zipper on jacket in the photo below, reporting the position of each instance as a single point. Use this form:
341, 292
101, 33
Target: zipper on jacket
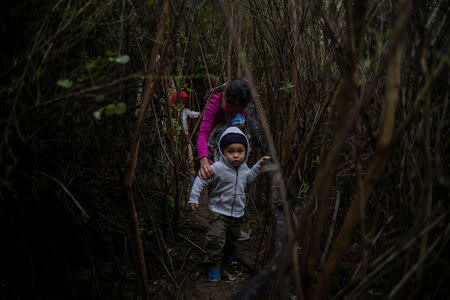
235, 185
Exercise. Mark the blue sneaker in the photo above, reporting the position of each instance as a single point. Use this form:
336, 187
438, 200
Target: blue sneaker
229, 260
214, 275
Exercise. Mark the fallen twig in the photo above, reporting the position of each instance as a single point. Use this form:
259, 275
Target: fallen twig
191, 242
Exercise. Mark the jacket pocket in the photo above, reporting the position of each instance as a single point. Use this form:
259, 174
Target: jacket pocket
239, 203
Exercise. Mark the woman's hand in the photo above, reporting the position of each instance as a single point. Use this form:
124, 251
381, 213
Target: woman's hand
193, 206
205, 171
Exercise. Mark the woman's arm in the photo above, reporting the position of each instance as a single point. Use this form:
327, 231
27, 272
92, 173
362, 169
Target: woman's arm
208, 120
210, 117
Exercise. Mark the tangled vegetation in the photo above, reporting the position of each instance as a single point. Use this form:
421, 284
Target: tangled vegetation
94, 167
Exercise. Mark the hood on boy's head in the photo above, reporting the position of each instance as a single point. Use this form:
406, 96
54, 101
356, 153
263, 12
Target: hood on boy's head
233, 135
233, 138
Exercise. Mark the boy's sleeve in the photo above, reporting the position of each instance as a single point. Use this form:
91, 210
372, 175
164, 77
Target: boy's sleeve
197, 188
253, 172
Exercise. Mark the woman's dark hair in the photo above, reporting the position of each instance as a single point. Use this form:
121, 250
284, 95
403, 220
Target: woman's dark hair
238, 92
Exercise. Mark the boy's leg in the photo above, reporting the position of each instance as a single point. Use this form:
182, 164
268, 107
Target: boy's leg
215, 240
233, 233
243, 236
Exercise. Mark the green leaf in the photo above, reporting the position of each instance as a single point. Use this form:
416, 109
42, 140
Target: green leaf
100, 98
366, 63
121, 108
171, 202
110, 110
65, 83
122, 59
109, 53
98, 114
96, 64
115, 109
287, 86
82, 78
90, 65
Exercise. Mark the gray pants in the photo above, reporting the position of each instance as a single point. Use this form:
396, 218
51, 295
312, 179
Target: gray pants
221, 238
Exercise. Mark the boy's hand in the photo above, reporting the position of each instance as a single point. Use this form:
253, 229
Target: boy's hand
193, 206
205, 171
264, 158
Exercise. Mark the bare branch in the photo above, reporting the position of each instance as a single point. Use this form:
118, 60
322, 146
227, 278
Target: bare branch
83, 212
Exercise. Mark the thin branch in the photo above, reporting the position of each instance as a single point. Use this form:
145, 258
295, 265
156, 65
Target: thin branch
387, 257
413, 269
258, 14
333, 223
309, 138
408, 244
159, 136
91, 89
134, 152
83, 212
444, 62
380, 158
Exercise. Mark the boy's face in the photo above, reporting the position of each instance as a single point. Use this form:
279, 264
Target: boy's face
235, 154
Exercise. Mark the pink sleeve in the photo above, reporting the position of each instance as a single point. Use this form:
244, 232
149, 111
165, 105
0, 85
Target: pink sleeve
210, 116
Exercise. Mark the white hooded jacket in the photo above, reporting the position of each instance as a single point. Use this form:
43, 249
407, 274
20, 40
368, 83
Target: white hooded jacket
228, 183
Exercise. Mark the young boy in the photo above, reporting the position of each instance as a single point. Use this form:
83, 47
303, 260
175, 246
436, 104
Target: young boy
227, 198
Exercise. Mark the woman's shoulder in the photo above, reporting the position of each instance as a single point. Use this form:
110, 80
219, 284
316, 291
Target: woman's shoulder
216, 98
214, 106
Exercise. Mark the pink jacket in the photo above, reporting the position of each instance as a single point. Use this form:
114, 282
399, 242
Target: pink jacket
213, 115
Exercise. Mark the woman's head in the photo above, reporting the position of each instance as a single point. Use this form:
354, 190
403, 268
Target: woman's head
237, 95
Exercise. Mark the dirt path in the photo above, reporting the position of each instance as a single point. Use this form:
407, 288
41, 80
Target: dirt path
197, 285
